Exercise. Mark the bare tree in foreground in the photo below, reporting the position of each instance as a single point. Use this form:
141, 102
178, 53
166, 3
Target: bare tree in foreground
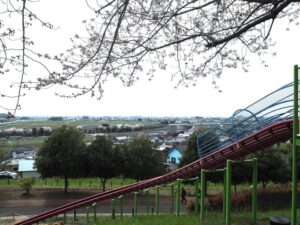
17, 52
189, 39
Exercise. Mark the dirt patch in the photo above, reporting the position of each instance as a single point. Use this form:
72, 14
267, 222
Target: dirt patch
17, 194
12, 220
14, 202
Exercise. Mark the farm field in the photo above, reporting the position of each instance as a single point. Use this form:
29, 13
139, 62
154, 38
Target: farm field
35, 141
56, 124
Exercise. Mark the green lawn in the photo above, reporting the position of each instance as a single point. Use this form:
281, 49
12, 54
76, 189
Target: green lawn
212, 218
73, 183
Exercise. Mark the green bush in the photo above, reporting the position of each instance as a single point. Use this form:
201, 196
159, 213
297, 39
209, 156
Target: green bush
26, 184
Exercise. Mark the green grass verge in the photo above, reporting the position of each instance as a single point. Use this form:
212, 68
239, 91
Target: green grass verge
211, 218
85, 183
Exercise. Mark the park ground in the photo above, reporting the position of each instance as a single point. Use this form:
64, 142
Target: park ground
15, 206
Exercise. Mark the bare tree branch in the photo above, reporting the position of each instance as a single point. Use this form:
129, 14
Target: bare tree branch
190, 39
16, 49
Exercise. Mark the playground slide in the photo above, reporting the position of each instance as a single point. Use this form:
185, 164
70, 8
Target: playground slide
267, 126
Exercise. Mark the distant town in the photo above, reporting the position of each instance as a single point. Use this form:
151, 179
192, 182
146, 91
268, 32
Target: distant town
21, 137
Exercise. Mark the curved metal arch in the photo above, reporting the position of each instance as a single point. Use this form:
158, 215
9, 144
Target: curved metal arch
274, 107
236, 113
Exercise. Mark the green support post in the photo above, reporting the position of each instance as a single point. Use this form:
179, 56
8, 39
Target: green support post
88, 214
113, 210
202, 195
197, 195
178, 182
65, 218
135, 203
75, 217
94, 211
224, 194
147, 201
254, 190
172, 199
121, 206
157, 200
227, 190
295, 150
228, 193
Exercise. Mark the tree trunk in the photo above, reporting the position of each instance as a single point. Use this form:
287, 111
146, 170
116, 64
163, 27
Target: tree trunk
66, 185
27, 191
264, 184
235, 197
103, 183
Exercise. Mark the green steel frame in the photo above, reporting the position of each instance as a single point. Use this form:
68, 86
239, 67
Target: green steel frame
296, 144
228, 190
178, 188
203, 187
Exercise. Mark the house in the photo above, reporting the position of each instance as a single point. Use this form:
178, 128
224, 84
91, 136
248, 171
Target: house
27, 168
121, 139
22, 152
174, 156
10, 164
164, 147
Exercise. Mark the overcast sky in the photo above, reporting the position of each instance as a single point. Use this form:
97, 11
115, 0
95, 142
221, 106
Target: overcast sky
159, 97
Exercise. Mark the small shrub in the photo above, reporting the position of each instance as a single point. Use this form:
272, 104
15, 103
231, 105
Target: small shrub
26, 185
267, 199
270, 199
190, 205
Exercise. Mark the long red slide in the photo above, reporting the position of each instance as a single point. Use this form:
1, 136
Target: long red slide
277, 132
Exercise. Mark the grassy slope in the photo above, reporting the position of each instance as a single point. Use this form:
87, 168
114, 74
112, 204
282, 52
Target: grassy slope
212, 218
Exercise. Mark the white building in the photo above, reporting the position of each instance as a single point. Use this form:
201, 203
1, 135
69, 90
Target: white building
27, 169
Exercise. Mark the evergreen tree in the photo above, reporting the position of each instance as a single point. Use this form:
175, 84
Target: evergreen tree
141, 161
103, 160
61, 154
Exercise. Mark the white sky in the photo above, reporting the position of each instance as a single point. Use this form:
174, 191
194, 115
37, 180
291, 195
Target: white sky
158, 97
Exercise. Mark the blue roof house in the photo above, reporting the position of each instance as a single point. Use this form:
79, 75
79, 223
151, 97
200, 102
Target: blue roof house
174, 156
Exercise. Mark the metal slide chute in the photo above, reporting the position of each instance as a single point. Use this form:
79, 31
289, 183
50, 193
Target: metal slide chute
260, 125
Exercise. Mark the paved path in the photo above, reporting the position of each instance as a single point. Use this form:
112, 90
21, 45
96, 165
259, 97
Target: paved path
25, 208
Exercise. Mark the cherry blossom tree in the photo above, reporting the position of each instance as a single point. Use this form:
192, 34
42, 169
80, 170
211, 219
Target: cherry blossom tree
189, 39
131, 39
